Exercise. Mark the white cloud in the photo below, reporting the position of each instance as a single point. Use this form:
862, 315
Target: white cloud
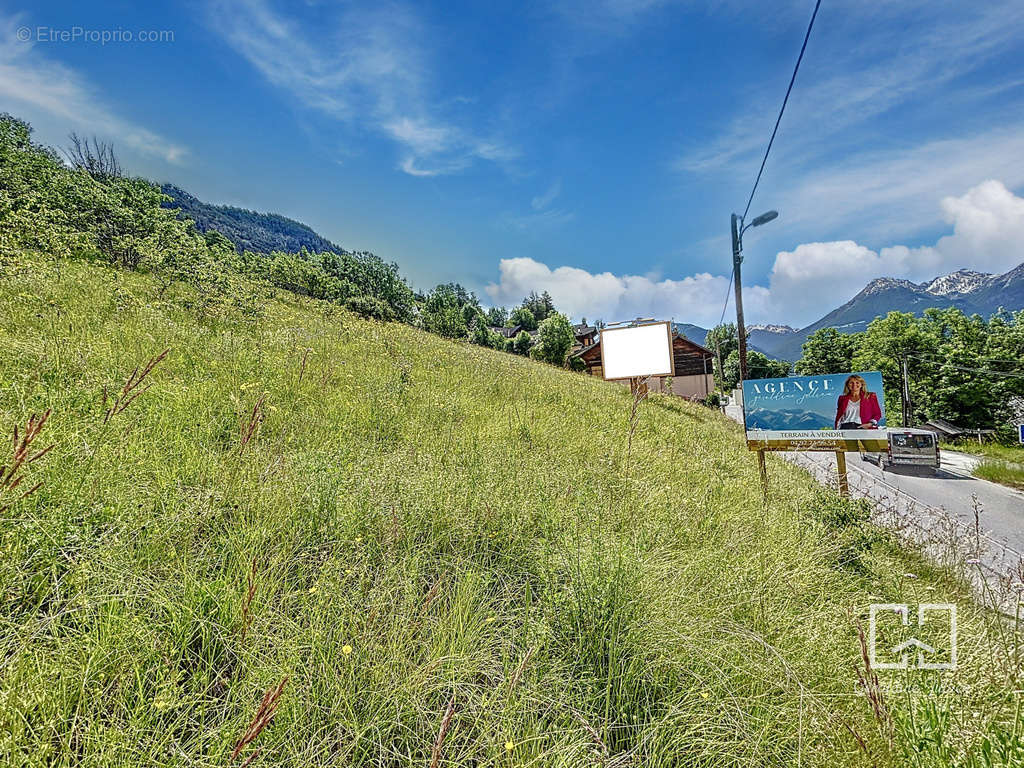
366, 68
37, 87
988, 230
419, 135
849, 79
696, 299
893, 193
543, 201
804, 284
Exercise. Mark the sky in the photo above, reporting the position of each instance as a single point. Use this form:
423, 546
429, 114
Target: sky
594, 149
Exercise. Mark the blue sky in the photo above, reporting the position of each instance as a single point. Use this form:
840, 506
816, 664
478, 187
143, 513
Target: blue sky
594, 149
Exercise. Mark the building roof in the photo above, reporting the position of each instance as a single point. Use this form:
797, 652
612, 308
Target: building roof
593, 351
941, 425
508, 333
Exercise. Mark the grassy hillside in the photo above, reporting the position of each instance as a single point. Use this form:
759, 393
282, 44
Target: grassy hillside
434, 554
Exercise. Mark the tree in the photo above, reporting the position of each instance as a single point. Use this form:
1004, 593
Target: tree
1004, 351
555, 339
480, 333
497, 317
728, 341
886, 342
759, 366
97, 159
957, 385
522, 317
828, 351
522, 343
539, 306
445, 311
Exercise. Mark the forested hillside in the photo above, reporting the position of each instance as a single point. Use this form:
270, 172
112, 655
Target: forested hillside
82, 212
248, 230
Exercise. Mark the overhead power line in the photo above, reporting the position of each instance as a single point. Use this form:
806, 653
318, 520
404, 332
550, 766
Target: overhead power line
965, 368
792, 80
939, 358
728, 291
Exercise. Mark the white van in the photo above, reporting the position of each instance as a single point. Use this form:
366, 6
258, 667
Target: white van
908, 447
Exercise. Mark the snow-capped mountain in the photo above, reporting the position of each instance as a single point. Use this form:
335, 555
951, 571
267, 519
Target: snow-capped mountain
782, 329
964, 289
961, 281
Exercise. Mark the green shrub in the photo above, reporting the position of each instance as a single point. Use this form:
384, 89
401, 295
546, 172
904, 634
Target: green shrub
370, 307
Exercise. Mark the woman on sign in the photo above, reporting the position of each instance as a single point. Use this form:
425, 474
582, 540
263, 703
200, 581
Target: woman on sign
857, 408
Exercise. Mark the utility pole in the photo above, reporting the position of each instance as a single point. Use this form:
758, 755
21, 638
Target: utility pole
907, 411
737, 259
718, 354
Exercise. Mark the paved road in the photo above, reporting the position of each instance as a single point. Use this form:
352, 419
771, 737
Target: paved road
937, 508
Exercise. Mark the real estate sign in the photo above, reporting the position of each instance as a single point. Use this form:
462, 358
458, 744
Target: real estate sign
809, 413
636, 351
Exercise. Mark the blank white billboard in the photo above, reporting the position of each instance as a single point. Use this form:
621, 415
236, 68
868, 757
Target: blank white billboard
642, 350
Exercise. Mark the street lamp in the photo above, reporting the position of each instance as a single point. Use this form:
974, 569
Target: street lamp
737, 258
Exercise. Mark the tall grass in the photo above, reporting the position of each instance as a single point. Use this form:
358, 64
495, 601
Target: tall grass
437, 546
1001, 472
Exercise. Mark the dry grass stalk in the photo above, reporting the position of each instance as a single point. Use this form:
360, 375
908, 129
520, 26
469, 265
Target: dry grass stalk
11, 474
262, 718
872, 688
520, 669
598, 741
250, 429
435, 753
247, 603
132, 387
639, 389
302, 368
432, 593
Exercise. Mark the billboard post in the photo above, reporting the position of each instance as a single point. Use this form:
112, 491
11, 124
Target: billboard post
844, 481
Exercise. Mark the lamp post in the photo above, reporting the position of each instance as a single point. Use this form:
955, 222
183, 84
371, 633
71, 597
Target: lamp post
737, 258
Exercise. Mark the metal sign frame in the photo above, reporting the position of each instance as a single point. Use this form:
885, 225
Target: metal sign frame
604, 352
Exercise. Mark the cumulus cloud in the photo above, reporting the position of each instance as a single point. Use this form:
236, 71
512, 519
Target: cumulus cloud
988, 230
577, 292
804, 284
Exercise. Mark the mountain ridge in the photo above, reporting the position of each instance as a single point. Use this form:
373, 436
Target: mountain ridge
967, 290
249, 230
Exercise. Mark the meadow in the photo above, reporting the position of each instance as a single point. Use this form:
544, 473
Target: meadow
297, 537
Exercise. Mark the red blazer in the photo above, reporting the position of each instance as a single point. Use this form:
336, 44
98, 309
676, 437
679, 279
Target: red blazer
870, 410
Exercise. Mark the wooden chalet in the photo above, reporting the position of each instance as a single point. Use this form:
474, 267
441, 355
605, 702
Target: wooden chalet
693, 369
585, 335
